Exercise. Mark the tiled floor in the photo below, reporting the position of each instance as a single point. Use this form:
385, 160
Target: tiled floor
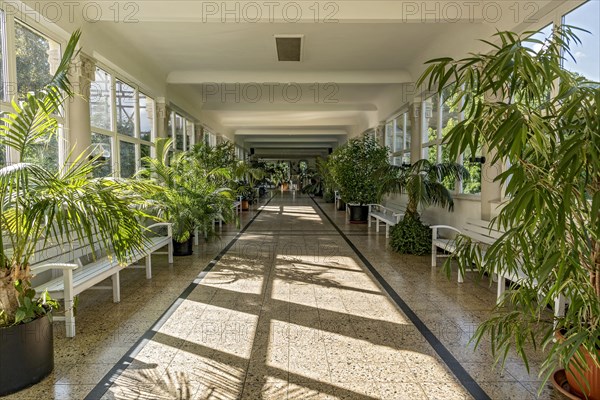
288, 312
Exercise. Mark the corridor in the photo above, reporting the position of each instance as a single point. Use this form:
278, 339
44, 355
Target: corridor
297, 304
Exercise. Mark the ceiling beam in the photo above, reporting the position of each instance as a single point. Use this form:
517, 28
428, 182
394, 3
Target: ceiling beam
273, 79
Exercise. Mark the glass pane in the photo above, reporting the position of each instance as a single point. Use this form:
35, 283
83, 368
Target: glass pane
125, 102
179, 121
100, 100
431, 106
103, 146
399, 133
430, 153
472, 185
146, 117
406, 158
127, 159
189, 132
450, 110
37, 59
449, 183
587, 54
389, 136
541, 35
44, 153
144, 152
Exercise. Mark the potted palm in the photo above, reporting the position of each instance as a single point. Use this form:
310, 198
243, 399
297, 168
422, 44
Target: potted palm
39, 207
354, 167
192, 196
423, 184
543, 123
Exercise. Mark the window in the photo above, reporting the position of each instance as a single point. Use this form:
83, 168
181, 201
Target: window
145, 150
146, 106
123, 121
125, 106
37, 59
398, 139
189, 134
472, 185
103, 147
127, 159
541, 35
100, 100
586, 54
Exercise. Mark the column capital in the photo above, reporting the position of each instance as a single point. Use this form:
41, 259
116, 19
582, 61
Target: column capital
84, 66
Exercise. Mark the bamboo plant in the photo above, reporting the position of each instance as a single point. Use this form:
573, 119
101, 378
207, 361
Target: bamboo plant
541, 122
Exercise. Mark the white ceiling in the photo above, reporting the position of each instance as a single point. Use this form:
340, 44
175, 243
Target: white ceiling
369, 56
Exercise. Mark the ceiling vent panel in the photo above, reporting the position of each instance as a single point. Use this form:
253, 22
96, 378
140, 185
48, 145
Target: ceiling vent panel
289, 47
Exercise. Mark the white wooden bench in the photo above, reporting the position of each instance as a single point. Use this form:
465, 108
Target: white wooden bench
389, 216
77, 277
477, 229
482, 232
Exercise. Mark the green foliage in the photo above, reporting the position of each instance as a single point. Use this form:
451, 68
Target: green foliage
411, 236
193, 192
31, 308
542, 121
354, 166
39, 205
423, 183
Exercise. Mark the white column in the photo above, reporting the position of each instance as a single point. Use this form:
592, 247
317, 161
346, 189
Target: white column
78, 133
414, 113
162, 118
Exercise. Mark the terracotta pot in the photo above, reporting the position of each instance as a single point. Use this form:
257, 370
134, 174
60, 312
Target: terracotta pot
245, 205
591, 375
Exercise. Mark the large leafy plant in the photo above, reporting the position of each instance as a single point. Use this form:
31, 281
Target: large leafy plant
39, 207
542, 122
193, 194
423, 183
354, 166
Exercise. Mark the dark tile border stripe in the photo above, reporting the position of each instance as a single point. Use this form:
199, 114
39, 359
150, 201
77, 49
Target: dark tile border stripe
453, 364
111, 376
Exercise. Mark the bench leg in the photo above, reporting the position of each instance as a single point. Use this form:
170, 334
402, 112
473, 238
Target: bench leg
387, 231
69, 304
461, 275
501, 288
149, 266
116, 284
369, 224
377, 225
433, 255
170, 251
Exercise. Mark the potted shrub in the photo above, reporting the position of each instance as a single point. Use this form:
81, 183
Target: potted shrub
39, 206
354, 167
543, 123
191, 197
422, 183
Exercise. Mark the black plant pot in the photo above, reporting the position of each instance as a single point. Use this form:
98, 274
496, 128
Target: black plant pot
359, 214
26, 354
183, 249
